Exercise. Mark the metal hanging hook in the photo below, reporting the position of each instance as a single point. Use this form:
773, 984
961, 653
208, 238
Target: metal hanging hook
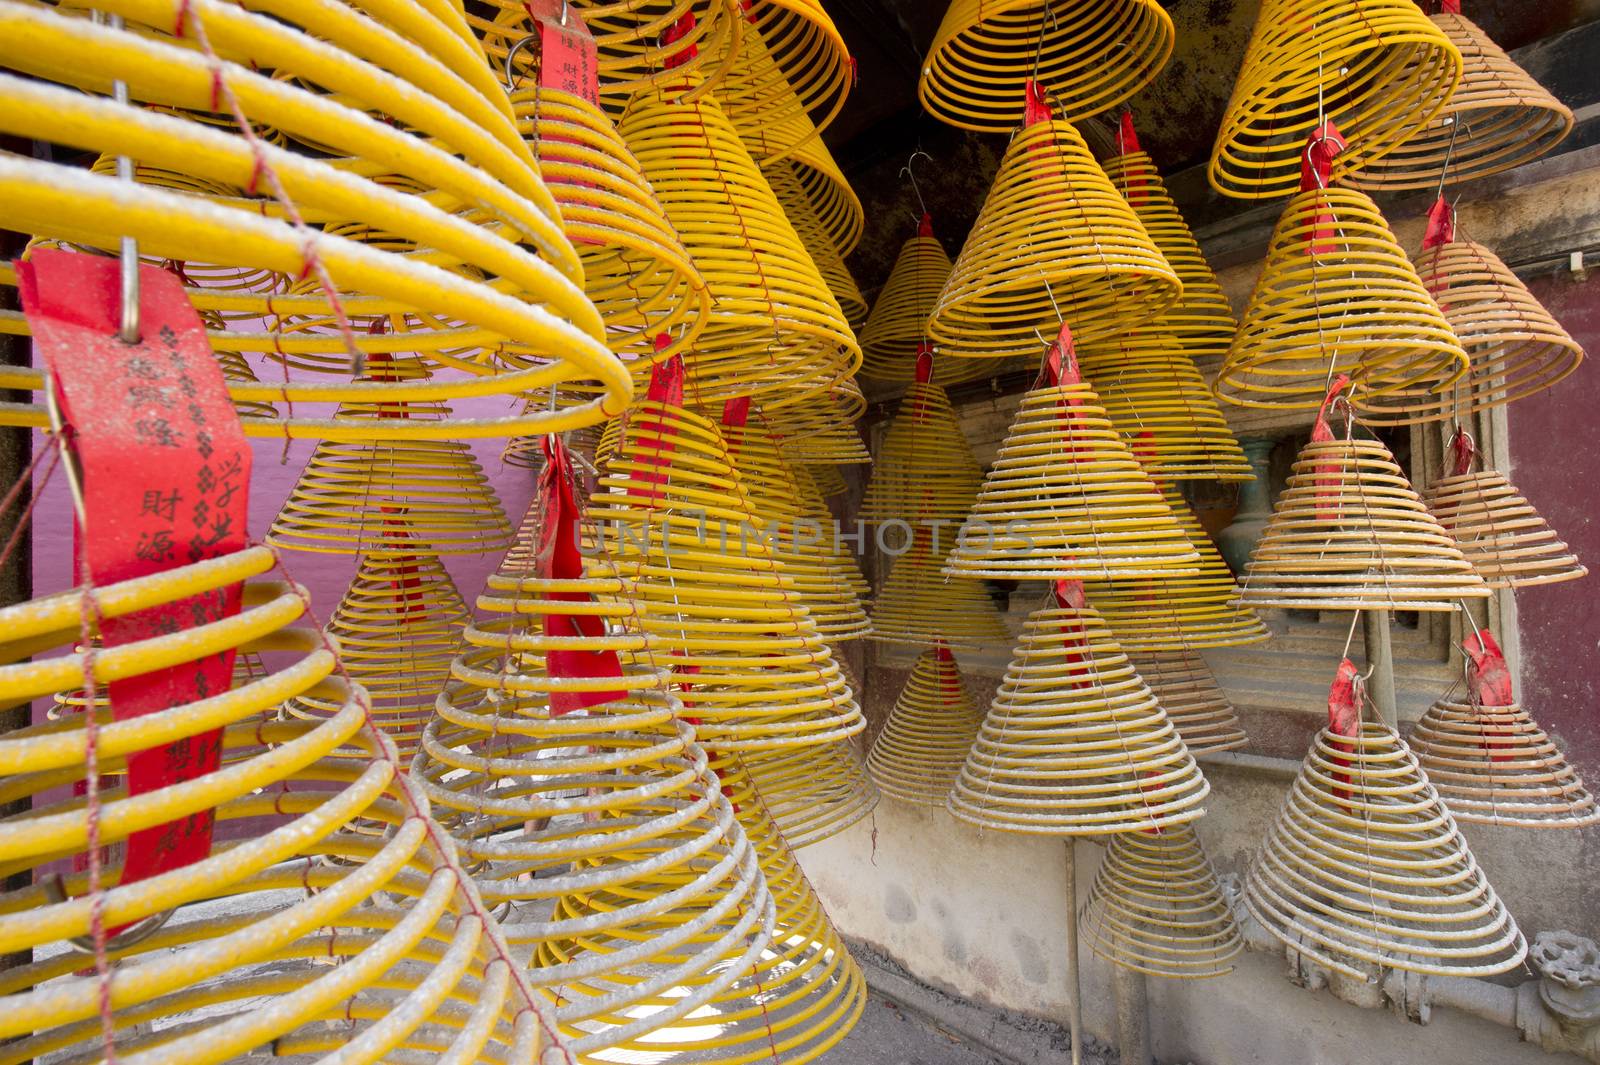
128, 330
1449, 152
906, 172
515, 49
1038, 47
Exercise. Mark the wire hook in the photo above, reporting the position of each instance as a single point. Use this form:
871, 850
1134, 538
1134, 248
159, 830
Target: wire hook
517, 47
906, 172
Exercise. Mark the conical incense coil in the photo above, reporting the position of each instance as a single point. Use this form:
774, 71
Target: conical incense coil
1179, 613
1366, 869
815, 793
397, 628
1378, 68
802, 214
1159, 401
1505, 540
924, 471
1074, 744
679, 529
1497, 119
1515, 345
1349, 533
822, 429
796, 539
1374, 320
230, 955
1195, 703
1054, 240
775, 330
640, 43
1202, 320
789, 78
1065, 498
495, 268
588, 811
635, 270
1155, 907
235, 368
1090, 54
403, 495
896, 331
924, 742
838, 207
815, 507
829, 481
918, 605
1494, 765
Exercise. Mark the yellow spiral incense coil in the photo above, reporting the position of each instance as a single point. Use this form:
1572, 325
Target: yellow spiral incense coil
400, 495
1202, 320
1365, 869
822, 429
1074, 744
812, 794
397, 627
1515, 346
1158, 614
829, 481
1378, 68
1054, 240
680, 531
837, 206
924, 742
1494, 765
919, 605
603, 833
802, 214
924, 471
1503, 537
1155, 907
1336, 291
1160, 403
1497, 119
796, 539
296, 935
791, 65
1349, 533
897, 327
1195, 703
492, 267
776, 332
1090, 54
1065, 498
526, 452
635, 270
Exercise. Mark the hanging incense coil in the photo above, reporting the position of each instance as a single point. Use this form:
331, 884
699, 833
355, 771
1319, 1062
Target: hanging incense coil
1494, 765
492, 267
924, 471
826, 476
802, 214
680, 531
1066, 499
237, 946
235, 368
775, 331
1505, 540
836, 204
402, 495
1090, 54
1054, 240
1178, 614
789, 78
1497, 119
604, 834
1195, 703
918, 605
1074, 744
812, 794
1202, 320
635, 270
1349, 533
822, 429
896, 330
924, 742
1515, 346
1155, 907
397, 628
1378, 69
1365, 869
1374, 320
1160, 403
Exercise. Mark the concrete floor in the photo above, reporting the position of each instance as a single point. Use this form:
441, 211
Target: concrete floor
890, 1034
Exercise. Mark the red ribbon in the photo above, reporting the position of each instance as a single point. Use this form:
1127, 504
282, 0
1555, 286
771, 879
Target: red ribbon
677, 32
1344, 716
1316, 172
1490, 679
1450, 7
1462, 452
1441, 224
925, 227
666, 388
1035, 105
1127, 144
1321, 433
1070, 596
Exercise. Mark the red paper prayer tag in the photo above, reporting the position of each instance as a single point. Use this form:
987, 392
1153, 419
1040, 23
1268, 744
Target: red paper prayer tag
675, 33
1128, 143
1450, 7
1035, 105
1344, 716
561, 559
165, 480
1441, 224
736, 412
1327, 472
1316, 172
1463, 449
568, 58
925, 227
1490, 680
1061, 360
1070, 596
666, 388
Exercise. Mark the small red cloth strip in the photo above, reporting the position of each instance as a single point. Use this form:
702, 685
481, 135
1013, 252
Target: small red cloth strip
1490, 681
1316, 172
1035, 105
925, 227
1070, 596
1463, 449
560, 558
568, 56
1127, 143
950, 680
666, 388
1321, 433
166, 479
1344, 716
1441, 224
676, 32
